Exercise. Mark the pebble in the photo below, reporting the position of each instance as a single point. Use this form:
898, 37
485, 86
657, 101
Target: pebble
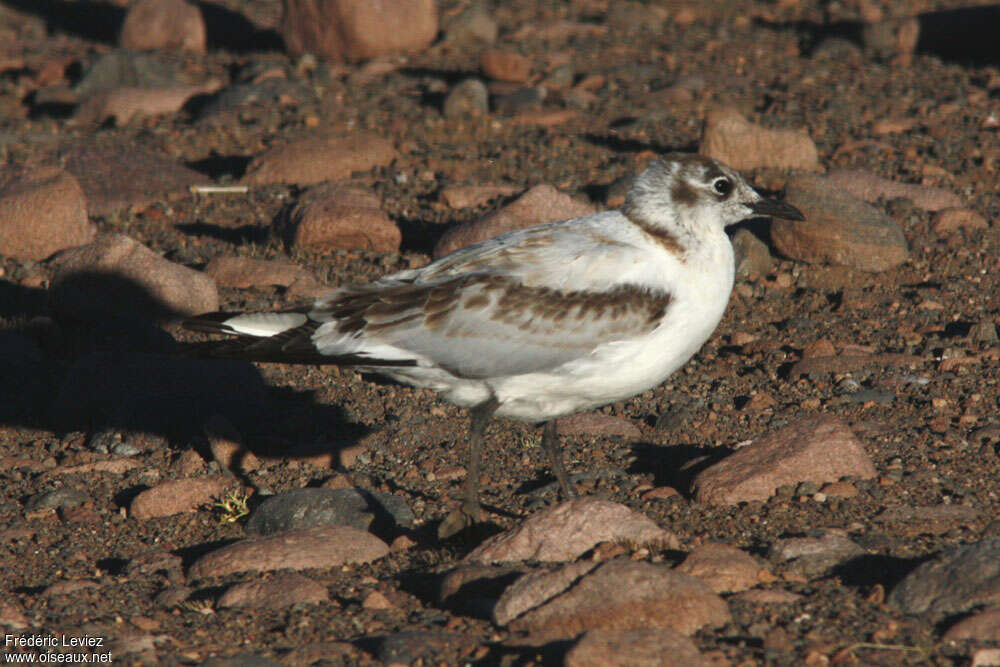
732, 139
66, 497
153, 561
891, 39
305, 508
726, 569
468, 98
954, 581
767, 596
926, 519
635, 648
278, 592
118, 176
621, 595
332, 216
753, 259
356, 30
838, 228
317, 547
502, 65
949, 220
597, 424
519, 101
163, 24
176, 496
127, 68
319, 159
68, 587
565, 531
986, 657
125, 103
540, 204
42, 211
871, 188
115, 273
225, 105
246, 272
819, 449
983, 626
473, 25
11, 617
814, 556
473, 196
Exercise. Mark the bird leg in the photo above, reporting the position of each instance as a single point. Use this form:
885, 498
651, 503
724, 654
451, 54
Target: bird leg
550, 443
468, 513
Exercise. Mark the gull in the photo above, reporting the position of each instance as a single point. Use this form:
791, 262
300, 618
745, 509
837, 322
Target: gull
537, 323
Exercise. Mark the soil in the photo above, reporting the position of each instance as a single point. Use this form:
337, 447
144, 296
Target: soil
784, 64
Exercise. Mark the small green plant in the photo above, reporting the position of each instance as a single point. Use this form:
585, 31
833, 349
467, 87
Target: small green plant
232, 506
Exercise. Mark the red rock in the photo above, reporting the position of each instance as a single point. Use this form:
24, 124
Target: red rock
124, 104
726, 569
319, 159
626, 595
339, 216
818, 348
528, 591
112, 466
78, 292
635, 648
244, 272
68, 587
567, 530
376, 600
163, 24
42, 211
11, 617
984, 626
116, 177
540, 204
839, 490
594, 423
505, 66
732, 139
950, 219
818, 449
176, 496
838, 228
282, 590
319, 547
354, 30
471, 196
871, 188
767, 596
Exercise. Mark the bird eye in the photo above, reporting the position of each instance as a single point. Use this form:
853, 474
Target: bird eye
722, 186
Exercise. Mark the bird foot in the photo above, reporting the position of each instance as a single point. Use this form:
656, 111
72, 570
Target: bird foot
460, 519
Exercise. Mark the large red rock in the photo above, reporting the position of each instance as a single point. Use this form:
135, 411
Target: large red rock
42, 211
163, 24
816, 449
647, 647
735, 141
319, 159
339, 216
354, 30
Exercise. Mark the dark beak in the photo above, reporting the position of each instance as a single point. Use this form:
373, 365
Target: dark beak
776, 209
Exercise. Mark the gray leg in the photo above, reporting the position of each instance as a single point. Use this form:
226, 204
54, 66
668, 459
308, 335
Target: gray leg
550, 443
469, 512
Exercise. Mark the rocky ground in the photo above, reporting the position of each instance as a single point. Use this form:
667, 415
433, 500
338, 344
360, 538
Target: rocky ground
817, 486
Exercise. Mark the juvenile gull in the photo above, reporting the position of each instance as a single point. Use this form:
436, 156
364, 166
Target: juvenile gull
540, 322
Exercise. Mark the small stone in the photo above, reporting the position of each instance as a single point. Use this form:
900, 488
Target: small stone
355, 30
176, 496
153, 561
984, 332
339, 216
244, 272
91, 279
892, 39
986, 657
42, 211
163, 24
473, 25
818, 348
820, 449
597, 424
753, 259
730, 138
635, 648
376, 600
278, 592
840, 229
871, 188
319, 547
12, 617
927, 519
520, 101
814, 556
472, 196
624, 595
984, 626
468, 98
767, 596
540, 204
172, 596
567, 530
60, 498
124, 104
951, 219
68, 587
128, 68
304, 508
839, 490
505, 66
319, 159
724, 568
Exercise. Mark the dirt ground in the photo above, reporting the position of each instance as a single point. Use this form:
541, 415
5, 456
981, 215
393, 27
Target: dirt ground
784, 64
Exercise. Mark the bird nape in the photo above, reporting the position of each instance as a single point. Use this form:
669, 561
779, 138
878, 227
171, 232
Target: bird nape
537, 323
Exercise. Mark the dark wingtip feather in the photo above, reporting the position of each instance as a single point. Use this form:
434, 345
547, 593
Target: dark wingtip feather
209, 322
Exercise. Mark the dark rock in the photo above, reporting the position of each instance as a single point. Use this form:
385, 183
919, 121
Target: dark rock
304, 508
